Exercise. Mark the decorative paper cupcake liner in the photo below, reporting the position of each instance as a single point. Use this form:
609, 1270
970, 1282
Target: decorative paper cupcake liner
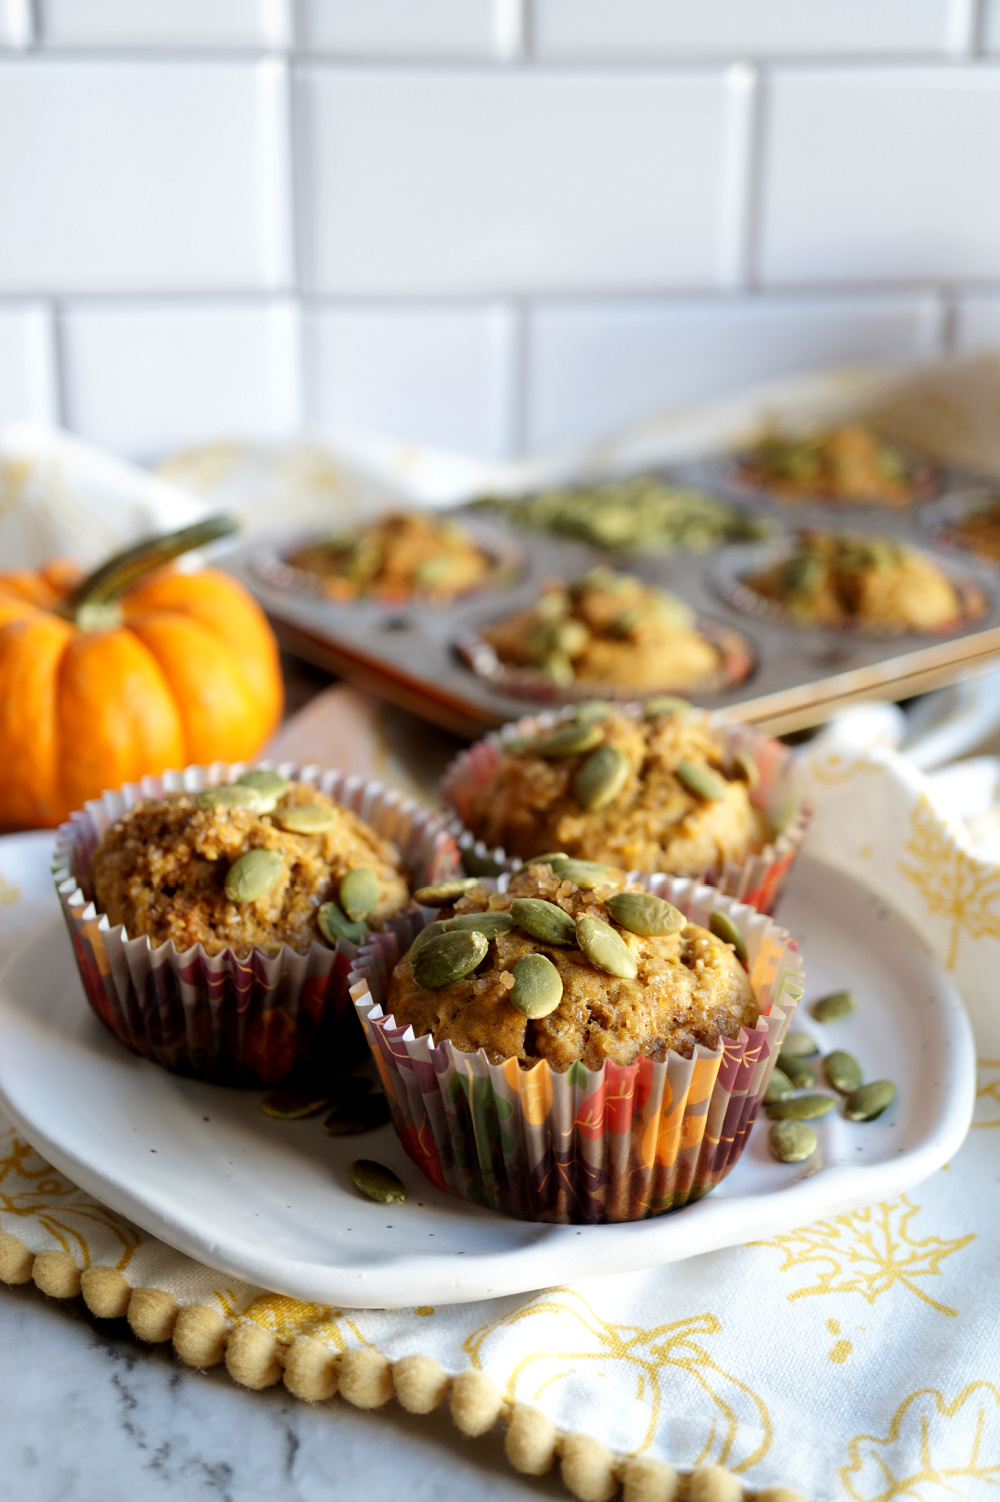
232, 1019
585, 1146
757, 880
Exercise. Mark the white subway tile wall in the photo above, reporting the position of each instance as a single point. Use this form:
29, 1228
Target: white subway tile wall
483, 224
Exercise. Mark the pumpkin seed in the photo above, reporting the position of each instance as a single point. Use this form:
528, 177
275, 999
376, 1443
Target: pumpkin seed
723, 927
779, 1086
798, 1045
488, 924
544, 920
442, 893
567, 740
833, 1008
869, 1101
305, 818
583, 874
642, 913
448, 958
377, 1182
591, 711
350, 1118
334, 924
553, 605
293, 1105
537, 988
791, 1141
571, 637
547, 858
229, 795
843, 1071
430, 932
800, 1107
798, 1071
701, 781
744, 764
254, 875
668, 704
605, 948
359, 893
271, 785
558, 668
600, 777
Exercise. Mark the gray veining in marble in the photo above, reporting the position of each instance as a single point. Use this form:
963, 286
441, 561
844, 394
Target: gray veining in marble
87, 1414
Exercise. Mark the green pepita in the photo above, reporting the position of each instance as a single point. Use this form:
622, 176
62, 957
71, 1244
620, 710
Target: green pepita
359, 893
833, 1008
800, 1107
745, 765
869, 1101
584, 874
271, 785
798, 1045
724, 928
305, 818
592, 711
350, 1118
334, 924
489, 924
537, 988
558, 668
254, 875
553, 605
701, 781
377, 1182
779, 1086
568, 740
447, 958
600, 777
791, 1141
843, 1071
642, 913
798, 1071
442, 893
293, 1105
548, 857
232, 795
430, 932
544, 920
605, 948
667, 704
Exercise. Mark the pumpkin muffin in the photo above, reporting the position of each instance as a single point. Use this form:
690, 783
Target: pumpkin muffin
844, 464
660, 792
978, 531
402, 555
257, 864
607, 628
874, 583
570, 969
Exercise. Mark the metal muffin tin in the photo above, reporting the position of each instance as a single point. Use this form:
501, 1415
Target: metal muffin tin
408, 653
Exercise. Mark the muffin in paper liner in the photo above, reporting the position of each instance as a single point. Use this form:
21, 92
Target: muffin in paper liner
582, 1147
757, 880
229, 1019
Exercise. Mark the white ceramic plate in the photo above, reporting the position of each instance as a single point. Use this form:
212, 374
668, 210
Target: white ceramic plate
271, 1202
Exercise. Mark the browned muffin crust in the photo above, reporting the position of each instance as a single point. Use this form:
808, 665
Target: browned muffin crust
161, 871
690, 988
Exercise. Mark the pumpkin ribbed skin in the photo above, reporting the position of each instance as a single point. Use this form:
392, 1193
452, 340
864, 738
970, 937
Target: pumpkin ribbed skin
192, 675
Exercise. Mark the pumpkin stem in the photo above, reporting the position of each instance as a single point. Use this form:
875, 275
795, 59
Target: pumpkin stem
92, 598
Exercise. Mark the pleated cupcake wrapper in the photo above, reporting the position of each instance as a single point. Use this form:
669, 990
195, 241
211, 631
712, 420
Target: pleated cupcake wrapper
586, 1146
232, 1019
756, 880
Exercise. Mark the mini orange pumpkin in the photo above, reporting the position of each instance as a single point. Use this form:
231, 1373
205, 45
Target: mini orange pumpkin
133, 670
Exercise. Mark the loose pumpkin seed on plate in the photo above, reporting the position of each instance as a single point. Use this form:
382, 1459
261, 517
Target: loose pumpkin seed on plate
605, 948
544, 920
583, 874
779, 1086
799, 1107
305, 818
359, 893
600, 777
843, 1071
447, 958
798, 1071
799, 1045
364, 1113
701, 781
869, 1101
490, 924
293, 1105
833, 1008
334, 924
791, 1141
254, 874
537, 988
571, 739
442, 893
724, 928
377, 1182
642, 913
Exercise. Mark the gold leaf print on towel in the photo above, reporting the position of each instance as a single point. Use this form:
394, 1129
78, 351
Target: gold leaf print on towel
286, 1318
31, 1190
868, 1252
834, 768
953, 884
566, 1333
932, 1447
987, 1112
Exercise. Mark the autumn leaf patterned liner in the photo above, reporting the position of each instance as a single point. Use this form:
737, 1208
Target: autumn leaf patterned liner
585, 1146
232, 1019
758, 880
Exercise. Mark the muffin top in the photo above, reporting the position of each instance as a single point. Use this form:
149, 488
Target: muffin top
607, 627
184, 868
657, 793
978, 531
401, 555
603, 991
849, 579
847, 463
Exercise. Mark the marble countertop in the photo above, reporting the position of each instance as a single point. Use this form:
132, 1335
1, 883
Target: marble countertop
88, 1414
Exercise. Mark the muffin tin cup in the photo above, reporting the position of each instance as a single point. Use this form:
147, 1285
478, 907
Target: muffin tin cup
582, 1147
757, 880
247, 1019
